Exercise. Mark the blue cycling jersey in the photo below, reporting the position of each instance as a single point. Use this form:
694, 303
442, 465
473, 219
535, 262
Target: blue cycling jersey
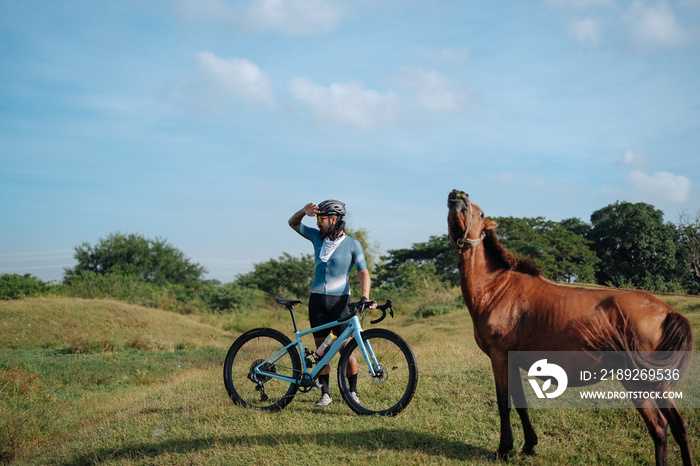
332, 277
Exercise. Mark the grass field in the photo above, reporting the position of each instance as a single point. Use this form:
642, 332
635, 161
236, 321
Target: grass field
102, 382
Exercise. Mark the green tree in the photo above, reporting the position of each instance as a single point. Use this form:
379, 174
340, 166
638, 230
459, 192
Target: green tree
232, 297
151, 260
636, 247
14, 286
437, 251
689, 230
562, 254
362, 236
411, 279
576, 225
287, 276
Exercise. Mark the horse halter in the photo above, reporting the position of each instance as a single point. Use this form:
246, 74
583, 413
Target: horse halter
465, 243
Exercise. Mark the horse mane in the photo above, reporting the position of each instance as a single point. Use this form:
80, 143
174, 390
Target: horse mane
508, 260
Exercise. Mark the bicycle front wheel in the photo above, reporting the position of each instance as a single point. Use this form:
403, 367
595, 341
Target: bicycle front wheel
392, 388
260, 391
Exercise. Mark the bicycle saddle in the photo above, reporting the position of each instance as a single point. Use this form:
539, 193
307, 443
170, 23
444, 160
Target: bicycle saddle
286, 302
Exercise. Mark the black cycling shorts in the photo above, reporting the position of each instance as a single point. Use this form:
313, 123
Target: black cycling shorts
325, 308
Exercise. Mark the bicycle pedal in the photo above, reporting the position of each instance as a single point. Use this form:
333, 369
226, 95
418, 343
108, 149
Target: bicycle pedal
309, 383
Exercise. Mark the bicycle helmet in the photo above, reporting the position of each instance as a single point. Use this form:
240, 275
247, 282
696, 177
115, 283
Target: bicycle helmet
332, 207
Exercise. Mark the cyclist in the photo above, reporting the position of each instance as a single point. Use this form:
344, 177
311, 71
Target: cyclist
334, 254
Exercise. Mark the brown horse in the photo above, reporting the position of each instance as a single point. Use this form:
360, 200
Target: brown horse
513, 308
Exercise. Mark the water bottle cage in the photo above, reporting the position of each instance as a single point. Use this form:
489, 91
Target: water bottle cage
307, 357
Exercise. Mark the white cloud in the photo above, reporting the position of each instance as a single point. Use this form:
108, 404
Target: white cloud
580, 3
351, 104
445, 55
434, 91
287, 17
236, 76
345, 103
654, 26
638, 25
205, 10
294, 17
630, 158
661, 186
585, 31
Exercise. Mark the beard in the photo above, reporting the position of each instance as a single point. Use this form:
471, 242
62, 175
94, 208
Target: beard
334, 232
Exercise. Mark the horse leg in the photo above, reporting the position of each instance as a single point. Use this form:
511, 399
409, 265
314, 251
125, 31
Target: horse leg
679, 428
499, 364
520, 403
657, 425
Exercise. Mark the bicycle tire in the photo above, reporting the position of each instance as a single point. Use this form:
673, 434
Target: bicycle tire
255, 391
392, 391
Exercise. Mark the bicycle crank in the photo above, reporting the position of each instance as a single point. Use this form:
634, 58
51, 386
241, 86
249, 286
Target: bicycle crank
307, 383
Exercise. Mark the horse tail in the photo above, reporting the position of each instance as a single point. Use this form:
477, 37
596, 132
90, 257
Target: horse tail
673, 351
676, 334
676, 343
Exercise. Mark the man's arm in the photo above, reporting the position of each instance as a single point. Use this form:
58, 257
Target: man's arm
365, 284
309, 209
295, 220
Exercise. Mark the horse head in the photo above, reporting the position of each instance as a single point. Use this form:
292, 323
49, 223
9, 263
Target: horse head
465, 220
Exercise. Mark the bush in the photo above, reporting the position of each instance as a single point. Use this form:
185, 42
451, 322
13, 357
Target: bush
14, 286
131, 289
411, 280
431, 309
440, 301
92, 285
234, 297
287, 276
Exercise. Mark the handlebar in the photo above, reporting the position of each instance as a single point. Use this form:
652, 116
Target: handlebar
362, 305
359, 307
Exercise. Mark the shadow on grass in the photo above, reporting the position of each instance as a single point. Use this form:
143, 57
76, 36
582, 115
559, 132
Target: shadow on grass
368, 441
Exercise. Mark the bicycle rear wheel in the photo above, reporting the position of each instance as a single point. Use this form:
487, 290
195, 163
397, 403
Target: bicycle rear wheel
260, 391
392, 389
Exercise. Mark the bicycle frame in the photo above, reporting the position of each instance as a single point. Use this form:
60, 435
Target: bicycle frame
353, 330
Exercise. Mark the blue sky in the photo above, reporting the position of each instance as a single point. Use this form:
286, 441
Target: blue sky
210, 122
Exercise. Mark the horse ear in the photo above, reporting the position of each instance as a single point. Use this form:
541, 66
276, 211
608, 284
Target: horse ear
490, 224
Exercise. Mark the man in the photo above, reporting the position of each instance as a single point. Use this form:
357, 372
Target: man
334, 254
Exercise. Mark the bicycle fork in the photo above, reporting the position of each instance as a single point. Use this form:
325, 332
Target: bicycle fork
376, 370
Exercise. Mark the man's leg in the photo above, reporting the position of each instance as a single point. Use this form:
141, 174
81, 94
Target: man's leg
351, 374
324, 379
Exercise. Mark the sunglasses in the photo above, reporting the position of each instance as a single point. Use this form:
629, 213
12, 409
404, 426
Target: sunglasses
320, 218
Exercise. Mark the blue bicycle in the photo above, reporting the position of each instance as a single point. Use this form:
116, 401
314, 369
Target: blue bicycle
264, 370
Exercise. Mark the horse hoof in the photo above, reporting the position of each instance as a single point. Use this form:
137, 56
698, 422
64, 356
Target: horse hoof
499, 456
529, 451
